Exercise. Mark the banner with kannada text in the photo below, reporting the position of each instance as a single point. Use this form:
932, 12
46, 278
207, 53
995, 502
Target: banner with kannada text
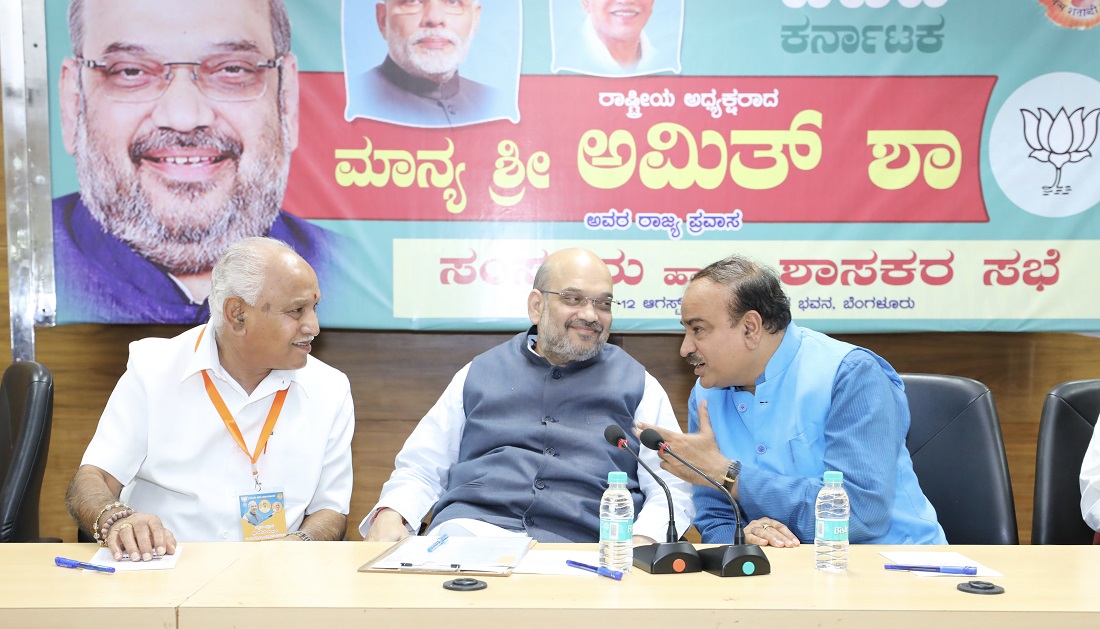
904, 165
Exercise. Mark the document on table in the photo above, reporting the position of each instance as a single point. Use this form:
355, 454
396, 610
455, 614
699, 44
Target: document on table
938, 558
103, 557
437, 554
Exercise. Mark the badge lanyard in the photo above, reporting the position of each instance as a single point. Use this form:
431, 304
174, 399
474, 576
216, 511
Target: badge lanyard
231, 424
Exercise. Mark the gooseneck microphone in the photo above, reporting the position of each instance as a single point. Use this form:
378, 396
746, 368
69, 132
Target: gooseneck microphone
616, 436
672, 556
652, 439
733, 560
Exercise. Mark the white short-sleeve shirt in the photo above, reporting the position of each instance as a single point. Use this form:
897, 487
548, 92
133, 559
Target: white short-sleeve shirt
162, 439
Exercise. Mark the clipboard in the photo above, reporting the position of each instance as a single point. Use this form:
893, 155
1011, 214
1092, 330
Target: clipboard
472, 551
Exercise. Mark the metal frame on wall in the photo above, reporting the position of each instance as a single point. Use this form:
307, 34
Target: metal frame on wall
27, 171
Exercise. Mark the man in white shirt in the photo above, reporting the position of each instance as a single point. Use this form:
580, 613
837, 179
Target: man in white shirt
1090, 483
516, 440
223, 415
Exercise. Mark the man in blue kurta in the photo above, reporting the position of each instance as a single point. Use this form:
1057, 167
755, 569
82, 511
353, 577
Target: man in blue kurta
776, 405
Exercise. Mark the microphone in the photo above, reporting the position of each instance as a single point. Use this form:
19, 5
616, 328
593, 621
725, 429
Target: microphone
652, 439
616, 436
733, 560
672, 556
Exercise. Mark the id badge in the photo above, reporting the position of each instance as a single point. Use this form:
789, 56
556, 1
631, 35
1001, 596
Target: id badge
262, 516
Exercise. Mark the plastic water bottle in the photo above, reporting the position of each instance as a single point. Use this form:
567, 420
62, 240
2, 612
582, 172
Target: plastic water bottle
831, 533
616, 524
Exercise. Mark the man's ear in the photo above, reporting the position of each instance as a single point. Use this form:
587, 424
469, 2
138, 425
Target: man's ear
380, 17
291, 97
69, 100
234, 312
754, 328
534, 305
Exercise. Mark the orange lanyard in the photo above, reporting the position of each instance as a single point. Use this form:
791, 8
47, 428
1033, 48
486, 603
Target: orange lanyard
231, 424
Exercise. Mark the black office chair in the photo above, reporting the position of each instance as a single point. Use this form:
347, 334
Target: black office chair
959, 456
1065, 428
26, 412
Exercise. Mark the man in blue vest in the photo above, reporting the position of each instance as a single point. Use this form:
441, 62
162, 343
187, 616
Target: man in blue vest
515, 444
776, 405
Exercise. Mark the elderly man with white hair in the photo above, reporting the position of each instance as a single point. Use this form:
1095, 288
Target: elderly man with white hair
418, 83
225, 414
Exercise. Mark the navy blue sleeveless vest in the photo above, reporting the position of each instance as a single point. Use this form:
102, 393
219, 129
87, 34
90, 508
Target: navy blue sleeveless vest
532, 456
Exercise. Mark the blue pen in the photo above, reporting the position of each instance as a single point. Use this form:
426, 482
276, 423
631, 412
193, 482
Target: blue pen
941, 569
603, 572
72, 563
439, 542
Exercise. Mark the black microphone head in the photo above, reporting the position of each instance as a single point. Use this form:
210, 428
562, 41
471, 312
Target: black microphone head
652, 439
614, 434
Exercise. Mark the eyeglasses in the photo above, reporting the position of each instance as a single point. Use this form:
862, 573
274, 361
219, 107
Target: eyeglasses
577, 300
231, 77
411, 7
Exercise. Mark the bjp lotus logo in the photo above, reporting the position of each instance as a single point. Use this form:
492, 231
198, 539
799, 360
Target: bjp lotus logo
1060, 140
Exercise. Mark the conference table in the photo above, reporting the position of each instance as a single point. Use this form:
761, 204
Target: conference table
317, 584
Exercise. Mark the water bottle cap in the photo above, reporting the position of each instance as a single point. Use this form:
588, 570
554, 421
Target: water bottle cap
616, 477
834, 477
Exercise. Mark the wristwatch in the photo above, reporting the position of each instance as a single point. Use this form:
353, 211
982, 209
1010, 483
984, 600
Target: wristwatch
732, 472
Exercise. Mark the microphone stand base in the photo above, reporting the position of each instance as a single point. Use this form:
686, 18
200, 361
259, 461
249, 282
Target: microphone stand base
667, 558
734, 560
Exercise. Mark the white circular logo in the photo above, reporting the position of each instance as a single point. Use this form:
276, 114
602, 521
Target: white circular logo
1042, 147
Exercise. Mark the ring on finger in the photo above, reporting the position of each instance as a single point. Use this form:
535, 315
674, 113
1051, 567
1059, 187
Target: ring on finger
766, 526
124, 525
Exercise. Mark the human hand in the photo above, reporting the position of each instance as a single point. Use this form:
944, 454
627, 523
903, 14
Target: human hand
388, 526
700, 448
770, 532
140, 536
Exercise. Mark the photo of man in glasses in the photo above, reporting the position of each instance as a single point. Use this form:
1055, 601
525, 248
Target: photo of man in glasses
421, 80
181, 117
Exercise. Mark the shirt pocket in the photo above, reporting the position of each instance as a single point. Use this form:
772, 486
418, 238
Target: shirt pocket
807, 451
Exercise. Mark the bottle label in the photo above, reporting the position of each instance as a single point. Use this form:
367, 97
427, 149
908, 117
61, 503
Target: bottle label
616, 530
832, 530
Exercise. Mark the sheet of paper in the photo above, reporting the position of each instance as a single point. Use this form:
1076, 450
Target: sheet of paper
466, 527
481, 554
103, 557
938, 558
553, 562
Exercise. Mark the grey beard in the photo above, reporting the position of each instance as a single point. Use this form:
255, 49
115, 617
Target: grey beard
118, 202
559, 350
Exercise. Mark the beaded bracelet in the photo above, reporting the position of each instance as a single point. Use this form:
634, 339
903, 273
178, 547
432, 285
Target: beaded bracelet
95, 525
100, 530
111, 520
